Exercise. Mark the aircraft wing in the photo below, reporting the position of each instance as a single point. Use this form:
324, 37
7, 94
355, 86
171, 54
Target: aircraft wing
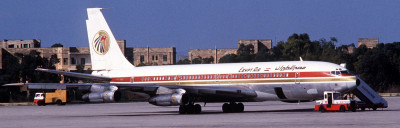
215, 93
75, 74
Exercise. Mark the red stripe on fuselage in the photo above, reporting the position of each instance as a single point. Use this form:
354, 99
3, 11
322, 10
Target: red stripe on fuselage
224, 76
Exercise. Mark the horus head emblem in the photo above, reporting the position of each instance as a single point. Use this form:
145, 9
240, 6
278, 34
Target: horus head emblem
101, 42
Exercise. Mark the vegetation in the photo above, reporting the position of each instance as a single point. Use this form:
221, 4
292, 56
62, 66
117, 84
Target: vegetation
198, 60
379, 67
21, 68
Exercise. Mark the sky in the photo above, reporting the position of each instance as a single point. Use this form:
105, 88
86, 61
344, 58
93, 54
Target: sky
201, 24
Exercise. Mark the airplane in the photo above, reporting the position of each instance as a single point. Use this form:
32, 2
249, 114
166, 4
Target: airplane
186, 85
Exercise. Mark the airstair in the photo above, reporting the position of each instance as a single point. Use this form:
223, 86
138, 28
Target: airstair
369, 98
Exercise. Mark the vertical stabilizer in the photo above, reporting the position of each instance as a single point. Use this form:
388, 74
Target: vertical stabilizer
104, 51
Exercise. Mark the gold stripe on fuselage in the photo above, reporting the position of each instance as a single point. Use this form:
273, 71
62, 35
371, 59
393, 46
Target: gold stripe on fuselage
252, 81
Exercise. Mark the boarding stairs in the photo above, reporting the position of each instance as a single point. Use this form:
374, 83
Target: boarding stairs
368, 96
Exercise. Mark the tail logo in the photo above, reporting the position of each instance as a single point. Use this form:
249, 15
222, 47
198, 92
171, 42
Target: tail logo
101, 42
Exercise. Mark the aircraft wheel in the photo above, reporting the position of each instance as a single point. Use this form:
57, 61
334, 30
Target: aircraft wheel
182, 109
190, 109
362, 109
240, 107
232, 107
197, 109
226, 108
374, 108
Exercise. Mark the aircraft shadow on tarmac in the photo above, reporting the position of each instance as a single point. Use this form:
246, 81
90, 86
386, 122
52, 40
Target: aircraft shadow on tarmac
161, 113
166, 113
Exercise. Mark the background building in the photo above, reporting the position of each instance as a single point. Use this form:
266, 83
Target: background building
369, 42
217, 54
34, 43
152, 55
71, 57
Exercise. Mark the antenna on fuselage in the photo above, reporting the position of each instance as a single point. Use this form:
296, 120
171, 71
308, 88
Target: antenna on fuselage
301, 59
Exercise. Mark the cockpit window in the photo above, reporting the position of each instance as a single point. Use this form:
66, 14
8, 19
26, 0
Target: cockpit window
344, 72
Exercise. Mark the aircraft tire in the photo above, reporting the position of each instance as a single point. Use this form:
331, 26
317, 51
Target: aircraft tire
182, 109
226, 108
232, 107
197, 109
190, 109
240, 107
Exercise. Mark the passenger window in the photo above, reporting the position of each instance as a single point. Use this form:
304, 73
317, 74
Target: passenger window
337, 72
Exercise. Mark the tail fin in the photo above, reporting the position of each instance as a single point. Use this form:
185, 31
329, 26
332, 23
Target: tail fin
104, 51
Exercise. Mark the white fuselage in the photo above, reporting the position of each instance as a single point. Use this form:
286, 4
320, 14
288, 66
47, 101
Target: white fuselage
298, 80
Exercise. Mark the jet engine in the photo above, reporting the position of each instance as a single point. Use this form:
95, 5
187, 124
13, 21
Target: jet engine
178, 97
101, 93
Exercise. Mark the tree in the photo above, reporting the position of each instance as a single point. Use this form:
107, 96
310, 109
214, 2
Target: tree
197, 60
185, 61
208, 60
230, 58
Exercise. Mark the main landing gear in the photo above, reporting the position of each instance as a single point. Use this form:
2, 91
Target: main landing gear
232, 107
190, 107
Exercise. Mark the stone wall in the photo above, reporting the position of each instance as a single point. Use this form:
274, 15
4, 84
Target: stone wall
154, 55
34, 43
369, 42
206, 53
258, 44
219, 53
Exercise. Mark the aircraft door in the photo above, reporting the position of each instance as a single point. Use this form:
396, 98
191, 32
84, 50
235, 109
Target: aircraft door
297, 77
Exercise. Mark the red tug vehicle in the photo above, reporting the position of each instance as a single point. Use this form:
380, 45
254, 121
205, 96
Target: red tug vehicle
333, 101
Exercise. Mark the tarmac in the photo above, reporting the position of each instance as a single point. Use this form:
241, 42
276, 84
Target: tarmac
143, 114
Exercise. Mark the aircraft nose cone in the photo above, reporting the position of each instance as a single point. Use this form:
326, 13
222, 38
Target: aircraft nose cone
353, 85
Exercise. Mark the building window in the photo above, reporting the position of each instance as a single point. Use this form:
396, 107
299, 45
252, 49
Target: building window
141, 59
83, 61
152, 57
165, 58
73, 61
25, 45
65, 61
11, 46
156, 57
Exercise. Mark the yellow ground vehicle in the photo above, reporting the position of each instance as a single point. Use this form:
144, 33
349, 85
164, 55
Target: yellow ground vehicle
58, 97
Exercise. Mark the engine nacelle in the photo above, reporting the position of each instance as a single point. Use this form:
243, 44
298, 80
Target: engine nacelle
107, 96
100, 93
173, 99
102, 88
